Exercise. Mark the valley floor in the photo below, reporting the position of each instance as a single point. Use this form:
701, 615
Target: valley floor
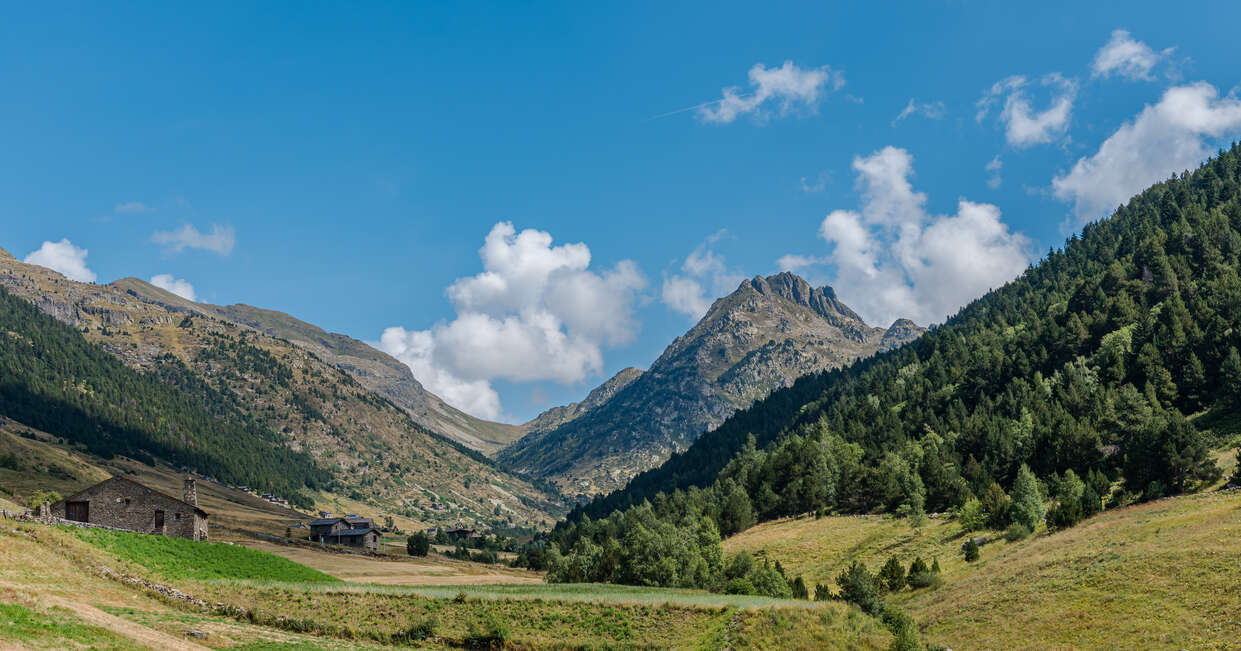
1159, 575
59, 589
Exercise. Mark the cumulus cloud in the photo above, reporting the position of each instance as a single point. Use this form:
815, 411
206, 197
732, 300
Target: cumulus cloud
1163, 139
535, 312
220, 240
1024, 125
704, 276
893, 259
63, 257
787, 88
179, 286
930, 110
1129, 58
994, 168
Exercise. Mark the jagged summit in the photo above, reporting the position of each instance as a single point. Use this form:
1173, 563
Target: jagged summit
767, 333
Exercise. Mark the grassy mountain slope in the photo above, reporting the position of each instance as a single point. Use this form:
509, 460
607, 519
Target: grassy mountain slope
758, 339
1085, 362
1155, 575
374, 369
375, 453
55, 594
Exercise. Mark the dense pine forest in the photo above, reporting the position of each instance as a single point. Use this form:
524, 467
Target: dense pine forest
52, 379
1099, 377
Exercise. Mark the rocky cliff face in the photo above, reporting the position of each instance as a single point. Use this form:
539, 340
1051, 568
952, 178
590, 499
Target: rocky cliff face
765, 335
557, 416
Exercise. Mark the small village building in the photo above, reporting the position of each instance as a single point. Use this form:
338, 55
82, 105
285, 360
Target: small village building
348, 531
122, 503
460, 532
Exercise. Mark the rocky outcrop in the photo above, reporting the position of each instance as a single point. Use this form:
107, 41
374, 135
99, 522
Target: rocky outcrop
763, 336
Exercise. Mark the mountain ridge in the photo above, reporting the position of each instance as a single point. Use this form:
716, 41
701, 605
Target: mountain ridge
762, 336
373, 368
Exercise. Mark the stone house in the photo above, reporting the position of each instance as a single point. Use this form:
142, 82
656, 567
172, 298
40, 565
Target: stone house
122, 503
349, 531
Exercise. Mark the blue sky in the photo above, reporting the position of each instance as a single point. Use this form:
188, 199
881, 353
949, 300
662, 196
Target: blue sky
347, 165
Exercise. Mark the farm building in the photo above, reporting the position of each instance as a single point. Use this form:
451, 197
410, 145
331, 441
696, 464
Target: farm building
122, 503
350, 531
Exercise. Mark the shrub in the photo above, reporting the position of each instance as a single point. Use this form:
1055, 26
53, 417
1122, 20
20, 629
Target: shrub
799, 589
1016, 531
935, 566
418, 544
918, 567
924, 580
903, 628
822, 592
971, 551
489, 633
740, 585
10, 461
970, 516
893, 575
37, 498
418, 631
996, 504
858, 586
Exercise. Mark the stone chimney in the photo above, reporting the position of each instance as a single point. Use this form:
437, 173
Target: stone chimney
191, 491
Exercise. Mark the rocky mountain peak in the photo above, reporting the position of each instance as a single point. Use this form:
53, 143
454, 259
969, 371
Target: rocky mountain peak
795, 289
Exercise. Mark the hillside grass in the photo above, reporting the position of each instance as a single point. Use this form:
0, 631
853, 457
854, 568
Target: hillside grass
180, 558
1157, 575
53, 628
42, 567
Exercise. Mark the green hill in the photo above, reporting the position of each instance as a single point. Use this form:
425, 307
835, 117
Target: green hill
1155, 575
1082, 370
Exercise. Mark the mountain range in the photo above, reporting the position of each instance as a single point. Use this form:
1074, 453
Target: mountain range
763, 336
358, 413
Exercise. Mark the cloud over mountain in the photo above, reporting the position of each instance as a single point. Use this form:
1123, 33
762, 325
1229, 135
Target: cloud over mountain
535, 312
64, 258
892, 258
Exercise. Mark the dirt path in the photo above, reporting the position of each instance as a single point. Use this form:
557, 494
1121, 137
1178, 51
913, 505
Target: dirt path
140, 634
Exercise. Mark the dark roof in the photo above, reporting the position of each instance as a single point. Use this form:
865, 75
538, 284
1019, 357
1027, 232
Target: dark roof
354, 532
142, 486
322, 521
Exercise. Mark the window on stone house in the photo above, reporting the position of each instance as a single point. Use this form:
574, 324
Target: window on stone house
176, 516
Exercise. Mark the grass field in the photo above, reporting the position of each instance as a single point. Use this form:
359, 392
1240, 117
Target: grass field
399, 570
53, 628
46, 568
1158, 575
180, 558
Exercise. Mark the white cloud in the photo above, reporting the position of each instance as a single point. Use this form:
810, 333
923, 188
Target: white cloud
220, 240
796, 263
131, 207
705, 277
1126, 57
1025, 126
893, 259
178, 286
788, 87
535, 312
994, 178
1163, 139
930, 110
819, 184
64, 258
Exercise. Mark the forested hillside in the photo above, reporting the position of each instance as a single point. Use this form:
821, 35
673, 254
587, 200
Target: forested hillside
1072, 384
376, 454
55, 380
